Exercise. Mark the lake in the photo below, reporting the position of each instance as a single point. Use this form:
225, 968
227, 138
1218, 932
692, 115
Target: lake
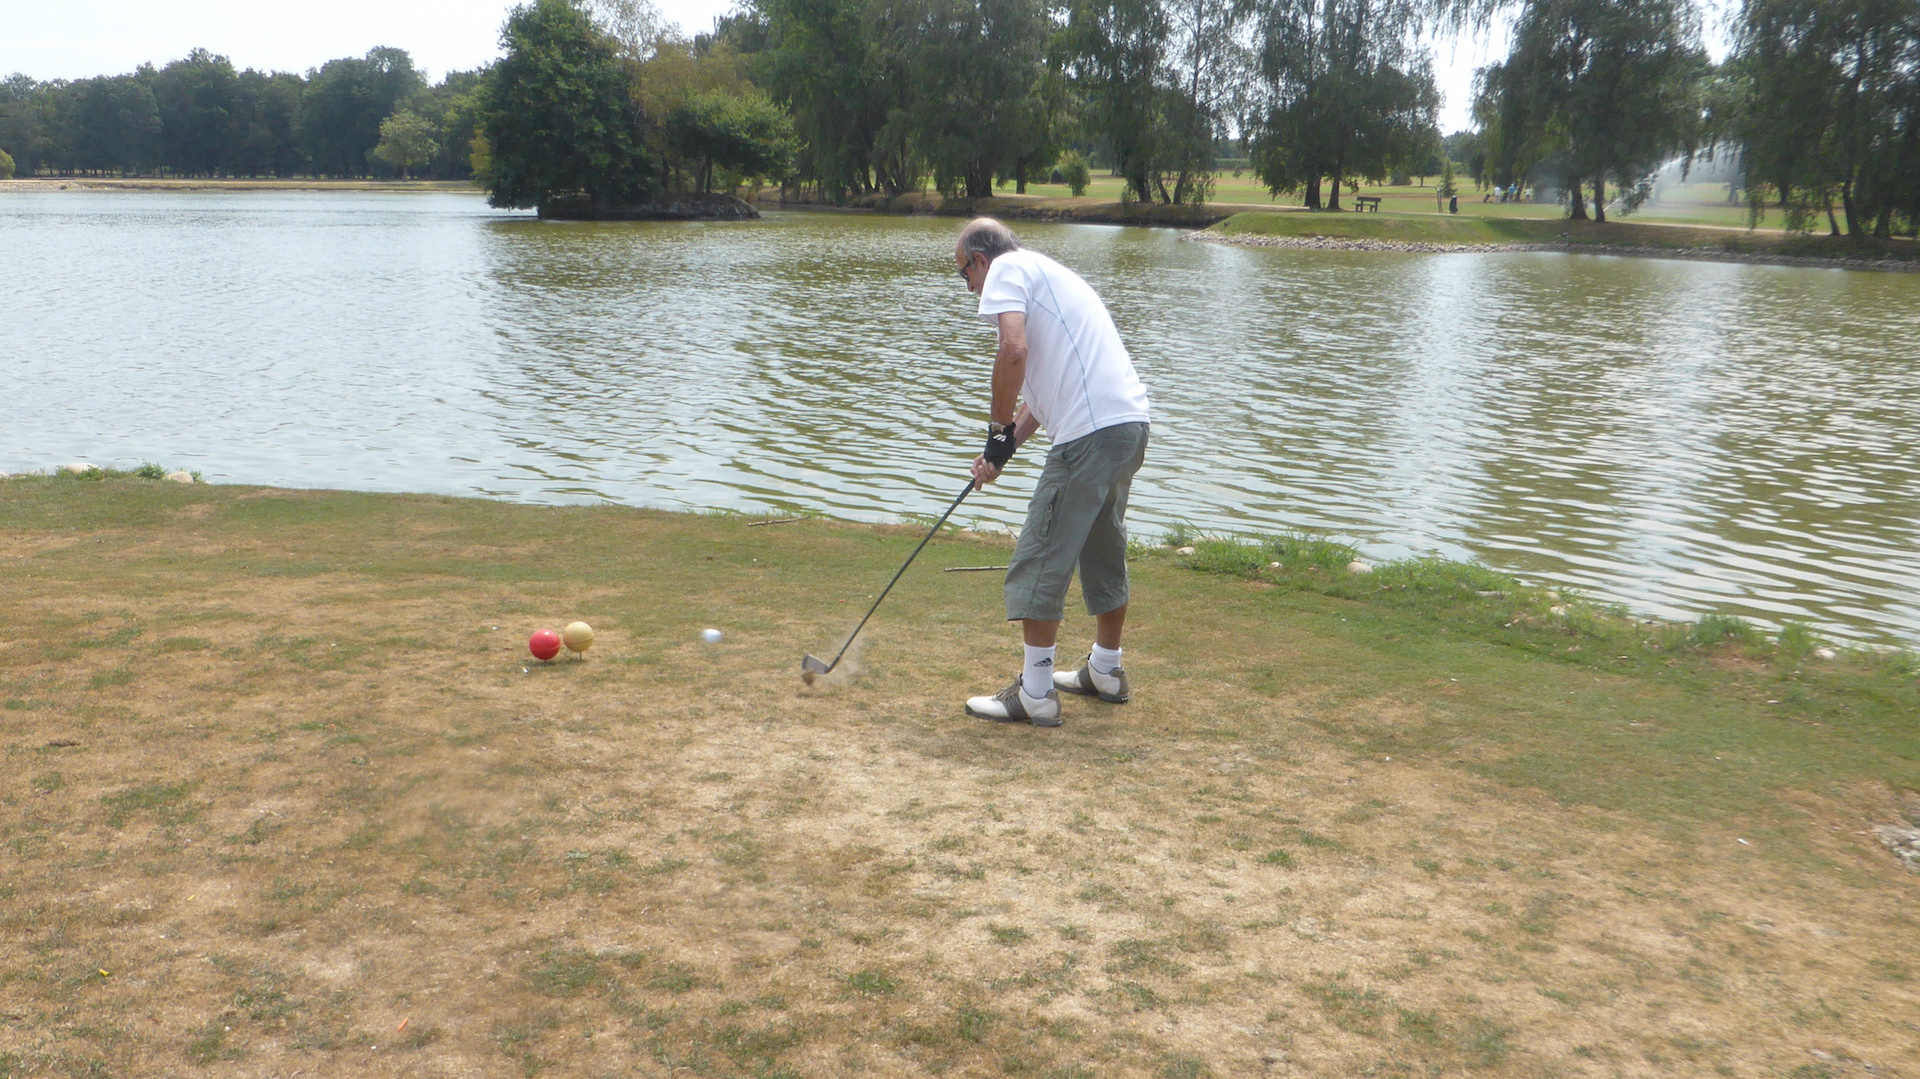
1681, 437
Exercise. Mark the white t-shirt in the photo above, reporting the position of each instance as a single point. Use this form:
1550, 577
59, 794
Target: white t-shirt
1079, 376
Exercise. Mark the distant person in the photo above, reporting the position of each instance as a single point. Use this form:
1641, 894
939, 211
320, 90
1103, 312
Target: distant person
1060, 358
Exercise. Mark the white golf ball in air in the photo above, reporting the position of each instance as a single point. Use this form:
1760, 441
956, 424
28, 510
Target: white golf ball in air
711, 636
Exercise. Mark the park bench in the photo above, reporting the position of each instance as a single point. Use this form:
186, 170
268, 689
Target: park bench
1360, 203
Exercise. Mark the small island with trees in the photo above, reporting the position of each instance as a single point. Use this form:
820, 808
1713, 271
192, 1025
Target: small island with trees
582, 124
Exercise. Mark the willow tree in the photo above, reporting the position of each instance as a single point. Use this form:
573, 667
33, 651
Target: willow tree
1596, 90
1154, 75
1211, 66
1832, 111
1348, 92
1117, 51
828, 62
976, 106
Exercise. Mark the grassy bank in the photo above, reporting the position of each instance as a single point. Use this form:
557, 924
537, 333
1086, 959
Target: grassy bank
1698, 204
288, 794
1031, 208
1428, 229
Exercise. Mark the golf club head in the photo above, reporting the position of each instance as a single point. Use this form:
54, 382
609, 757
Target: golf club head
815, 665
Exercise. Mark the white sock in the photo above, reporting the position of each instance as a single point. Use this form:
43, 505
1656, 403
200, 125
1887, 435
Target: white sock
1037, 679
1104, 660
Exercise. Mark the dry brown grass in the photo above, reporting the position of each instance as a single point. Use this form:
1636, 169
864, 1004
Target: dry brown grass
285, 794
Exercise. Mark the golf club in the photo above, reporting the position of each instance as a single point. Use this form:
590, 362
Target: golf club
812, 664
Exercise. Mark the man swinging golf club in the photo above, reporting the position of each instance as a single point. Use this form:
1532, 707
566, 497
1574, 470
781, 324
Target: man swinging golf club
1061, 358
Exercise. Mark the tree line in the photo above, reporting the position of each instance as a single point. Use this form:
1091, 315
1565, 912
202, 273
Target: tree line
199, 117
1818, 105
884, 97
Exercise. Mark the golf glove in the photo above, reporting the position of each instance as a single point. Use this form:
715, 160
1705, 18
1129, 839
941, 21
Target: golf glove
1000, 444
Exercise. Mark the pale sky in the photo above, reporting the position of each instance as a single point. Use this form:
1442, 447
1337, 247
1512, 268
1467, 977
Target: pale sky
72, 39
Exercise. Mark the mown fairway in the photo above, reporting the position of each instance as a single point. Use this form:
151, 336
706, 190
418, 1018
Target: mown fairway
1647, 238
285, 794
1689, 204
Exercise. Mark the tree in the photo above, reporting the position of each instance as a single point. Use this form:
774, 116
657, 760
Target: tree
1831, 109
634, 24
6, 165
742, 132
452, 108
406, 142
559, 114
1073, 172
830, 63
19, 121
117, 125
1347, 93
718, 127
1118, 53
1469, 148
1596, 90
1159, 77
196, 116
1212, 69
195, 101
975, 108
345, 102
263, 124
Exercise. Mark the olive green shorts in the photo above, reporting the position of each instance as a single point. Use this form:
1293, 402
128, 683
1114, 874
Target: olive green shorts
1077, 518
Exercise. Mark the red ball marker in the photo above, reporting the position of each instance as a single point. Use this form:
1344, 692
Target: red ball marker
544, 644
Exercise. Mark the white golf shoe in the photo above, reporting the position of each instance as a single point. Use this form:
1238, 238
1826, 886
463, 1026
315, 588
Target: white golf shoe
1012, 705
1087, 682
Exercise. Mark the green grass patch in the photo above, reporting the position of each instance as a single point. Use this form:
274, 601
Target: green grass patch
565, 972
872, 983
1473, 230
1347, 1006
1708, 718
166, 802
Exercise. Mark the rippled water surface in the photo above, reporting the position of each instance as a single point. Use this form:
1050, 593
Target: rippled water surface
1679, 436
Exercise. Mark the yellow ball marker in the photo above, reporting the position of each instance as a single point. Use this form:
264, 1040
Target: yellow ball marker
578, 636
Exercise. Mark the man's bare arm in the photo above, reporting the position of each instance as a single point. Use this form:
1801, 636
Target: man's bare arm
1009, 368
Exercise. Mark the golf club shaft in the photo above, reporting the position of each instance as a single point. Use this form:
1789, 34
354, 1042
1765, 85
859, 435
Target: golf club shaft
961, 497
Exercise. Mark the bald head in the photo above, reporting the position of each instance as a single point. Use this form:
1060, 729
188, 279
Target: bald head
986, 236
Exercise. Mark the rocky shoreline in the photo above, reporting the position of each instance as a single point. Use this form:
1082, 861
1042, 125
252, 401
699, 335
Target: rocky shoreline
1698, 254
